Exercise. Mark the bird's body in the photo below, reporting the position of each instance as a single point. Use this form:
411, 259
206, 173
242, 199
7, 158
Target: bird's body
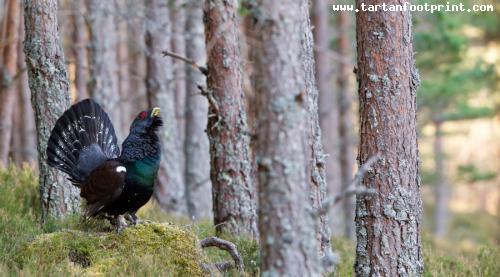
83, 144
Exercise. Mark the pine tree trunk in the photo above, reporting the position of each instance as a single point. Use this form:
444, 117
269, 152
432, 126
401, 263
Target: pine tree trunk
103, 85
233, 188
388, 223
80, 49
441, 186
123, 56
49, 94
178, 18
346, 124
284, 146
170, 192
197, 168
137, 61
328, 108
27, 128
9, 70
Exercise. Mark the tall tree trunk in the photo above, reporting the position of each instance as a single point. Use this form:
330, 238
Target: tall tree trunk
328, 115
346, 134
178, 18
170, 192
48, 82
197, 167
136, 52
27, 128
233, 188
388, 223
103, 85
441, 186
8, 72
287, 229
122, 56
80, 49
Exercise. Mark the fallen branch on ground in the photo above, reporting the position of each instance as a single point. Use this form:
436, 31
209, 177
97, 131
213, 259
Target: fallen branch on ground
227, 246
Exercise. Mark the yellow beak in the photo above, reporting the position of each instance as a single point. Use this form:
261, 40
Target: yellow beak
155, 112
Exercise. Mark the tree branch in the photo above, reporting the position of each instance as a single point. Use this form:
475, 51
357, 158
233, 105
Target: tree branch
202, 69
227, 246
354, 188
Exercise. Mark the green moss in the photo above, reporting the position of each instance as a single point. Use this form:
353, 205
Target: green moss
163, 249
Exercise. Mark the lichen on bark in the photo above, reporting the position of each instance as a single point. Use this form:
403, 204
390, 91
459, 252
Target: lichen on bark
388, 223
48, 83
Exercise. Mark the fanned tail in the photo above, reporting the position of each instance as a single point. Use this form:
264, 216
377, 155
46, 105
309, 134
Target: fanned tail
82, 139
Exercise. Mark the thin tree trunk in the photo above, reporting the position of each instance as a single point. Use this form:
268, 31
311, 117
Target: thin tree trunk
441, 186
197, 167
178, 19
27, 128
80, 49
284, 146
48, 82
103, 85
328, 115
170, 192
8, 72
388, 223
136, 52
122, 56
233, 188
346, 126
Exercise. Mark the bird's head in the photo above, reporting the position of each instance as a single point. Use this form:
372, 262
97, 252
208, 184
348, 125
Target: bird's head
147, 122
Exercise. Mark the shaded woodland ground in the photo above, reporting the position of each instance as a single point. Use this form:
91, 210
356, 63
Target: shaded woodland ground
235, 89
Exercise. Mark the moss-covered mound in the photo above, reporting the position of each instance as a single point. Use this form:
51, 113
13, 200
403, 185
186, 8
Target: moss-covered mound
150, 249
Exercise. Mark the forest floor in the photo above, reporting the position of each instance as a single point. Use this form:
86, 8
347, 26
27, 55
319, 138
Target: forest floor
471, 248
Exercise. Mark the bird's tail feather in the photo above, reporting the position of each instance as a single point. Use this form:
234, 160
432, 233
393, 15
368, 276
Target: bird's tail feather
82, 138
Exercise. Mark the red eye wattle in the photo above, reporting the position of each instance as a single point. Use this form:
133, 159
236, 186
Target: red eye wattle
143, 115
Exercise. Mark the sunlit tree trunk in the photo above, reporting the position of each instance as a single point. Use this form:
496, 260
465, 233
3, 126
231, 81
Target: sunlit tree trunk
441, 186
8, 73
197, 168
49, 95
170, 192
346, 124
388, 223
231, 168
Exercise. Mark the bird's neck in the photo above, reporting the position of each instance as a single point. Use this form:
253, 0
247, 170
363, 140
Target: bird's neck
141, 156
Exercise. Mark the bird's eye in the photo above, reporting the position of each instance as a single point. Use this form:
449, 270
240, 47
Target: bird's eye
143, 115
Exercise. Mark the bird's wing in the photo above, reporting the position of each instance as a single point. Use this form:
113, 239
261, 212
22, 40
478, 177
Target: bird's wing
103, 186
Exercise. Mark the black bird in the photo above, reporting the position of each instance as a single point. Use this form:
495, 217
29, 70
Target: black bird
83, 144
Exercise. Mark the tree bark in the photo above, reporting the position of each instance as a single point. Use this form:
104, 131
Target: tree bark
80, 49
328, 113
103, 85
170, 192
27, 128
178, 18
49, 94
196, 149
346, 126
284, 146
233, 188
441, 186
388, 223
8, 72
122, 55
